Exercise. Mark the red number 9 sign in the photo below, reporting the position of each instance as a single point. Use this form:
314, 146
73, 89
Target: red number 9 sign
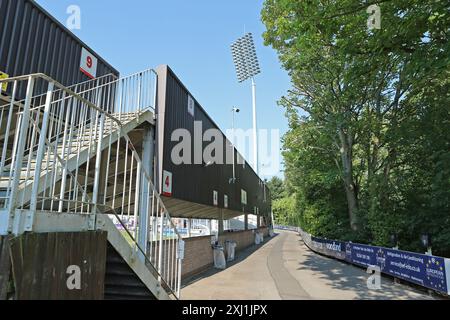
89, 61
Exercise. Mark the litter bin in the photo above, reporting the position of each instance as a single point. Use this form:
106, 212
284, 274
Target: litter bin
230, 247
219, 257
259, 237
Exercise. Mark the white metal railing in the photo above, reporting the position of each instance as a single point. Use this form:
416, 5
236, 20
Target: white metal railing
132, 94
67, 151
79, 88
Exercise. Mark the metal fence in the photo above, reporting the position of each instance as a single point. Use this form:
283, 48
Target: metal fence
67, 152
288, 228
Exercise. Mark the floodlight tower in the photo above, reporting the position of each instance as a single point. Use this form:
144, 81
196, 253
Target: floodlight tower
247, 67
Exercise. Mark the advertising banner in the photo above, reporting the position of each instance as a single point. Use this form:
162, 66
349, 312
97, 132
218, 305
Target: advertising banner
447, 274
425, 270
331, 248
421, 269
128, 221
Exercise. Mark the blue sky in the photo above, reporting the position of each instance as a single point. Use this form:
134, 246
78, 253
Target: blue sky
193, 38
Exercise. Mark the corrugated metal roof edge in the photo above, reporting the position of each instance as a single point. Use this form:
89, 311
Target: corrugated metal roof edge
38, 6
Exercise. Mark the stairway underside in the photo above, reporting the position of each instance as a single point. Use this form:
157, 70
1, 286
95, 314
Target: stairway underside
127, 275
121, 283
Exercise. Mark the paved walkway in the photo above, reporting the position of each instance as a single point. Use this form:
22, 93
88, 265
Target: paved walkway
284, 268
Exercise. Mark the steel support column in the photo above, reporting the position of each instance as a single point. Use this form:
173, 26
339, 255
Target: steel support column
148, 154
220, 231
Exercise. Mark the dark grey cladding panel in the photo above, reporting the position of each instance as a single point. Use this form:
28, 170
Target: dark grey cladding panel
32, 41
196, 182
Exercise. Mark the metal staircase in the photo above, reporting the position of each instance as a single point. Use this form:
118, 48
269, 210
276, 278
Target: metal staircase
81, 158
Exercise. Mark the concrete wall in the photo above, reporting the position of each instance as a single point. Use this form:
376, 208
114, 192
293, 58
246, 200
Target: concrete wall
198, 255
243, 238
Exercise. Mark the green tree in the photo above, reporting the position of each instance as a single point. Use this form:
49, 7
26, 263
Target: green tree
276, 187
284, 211
361, 92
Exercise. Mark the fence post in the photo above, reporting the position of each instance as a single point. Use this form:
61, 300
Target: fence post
137, 196
98, 159
180, 262
146, 170
40, 158
139, 93
160, 246
8, 126
155, 90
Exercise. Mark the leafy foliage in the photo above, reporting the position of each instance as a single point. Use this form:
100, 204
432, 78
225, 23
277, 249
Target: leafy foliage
276, 188
368, 150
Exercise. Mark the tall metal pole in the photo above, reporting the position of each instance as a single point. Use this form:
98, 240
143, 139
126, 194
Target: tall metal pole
255, 129
232, 145
234, 111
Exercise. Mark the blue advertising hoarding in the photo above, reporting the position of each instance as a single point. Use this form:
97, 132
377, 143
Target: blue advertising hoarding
332, 248
289, 228
425, 270
421, 269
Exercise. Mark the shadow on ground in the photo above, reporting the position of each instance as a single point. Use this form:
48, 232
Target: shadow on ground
344, 276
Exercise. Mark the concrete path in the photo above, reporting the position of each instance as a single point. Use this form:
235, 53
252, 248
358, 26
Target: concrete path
284, 268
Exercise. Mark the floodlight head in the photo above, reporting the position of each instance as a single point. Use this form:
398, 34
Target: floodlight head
244, 58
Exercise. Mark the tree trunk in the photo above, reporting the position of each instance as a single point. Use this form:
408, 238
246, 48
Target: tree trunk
347, 177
